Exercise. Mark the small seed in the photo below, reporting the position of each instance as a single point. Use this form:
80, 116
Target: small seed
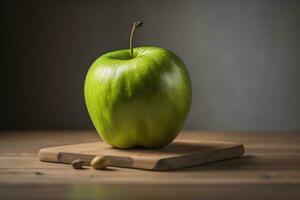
77, 164
100, 162
38, 173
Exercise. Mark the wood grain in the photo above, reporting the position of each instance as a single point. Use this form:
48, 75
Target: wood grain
270, 169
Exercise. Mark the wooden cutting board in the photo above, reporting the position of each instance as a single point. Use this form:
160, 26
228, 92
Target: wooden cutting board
177, 155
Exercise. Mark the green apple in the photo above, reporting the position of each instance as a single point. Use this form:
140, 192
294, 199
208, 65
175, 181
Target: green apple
138, 96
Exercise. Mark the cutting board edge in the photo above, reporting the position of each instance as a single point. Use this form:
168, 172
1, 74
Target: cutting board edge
164, 164
48, 156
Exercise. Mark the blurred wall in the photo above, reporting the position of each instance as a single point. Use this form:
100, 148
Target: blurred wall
243, 58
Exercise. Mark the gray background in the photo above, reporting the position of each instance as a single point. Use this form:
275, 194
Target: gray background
243, 58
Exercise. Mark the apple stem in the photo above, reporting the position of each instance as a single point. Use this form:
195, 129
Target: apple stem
136, 25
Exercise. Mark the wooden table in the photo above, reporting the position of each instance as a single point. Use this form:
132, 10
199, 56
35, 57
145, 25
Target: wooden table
270, 169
